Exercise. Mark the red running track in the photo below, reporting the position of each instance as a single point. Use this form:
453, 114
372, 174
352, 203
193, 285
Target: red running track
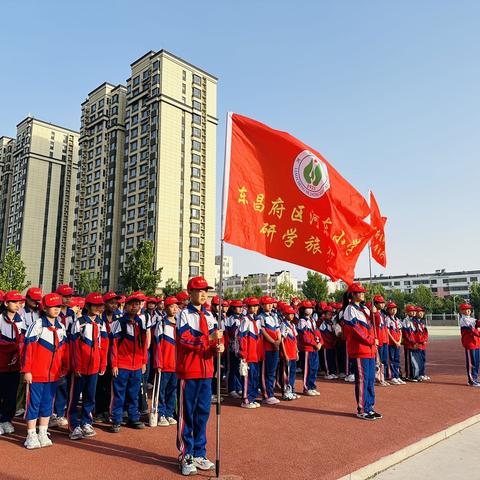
313, 437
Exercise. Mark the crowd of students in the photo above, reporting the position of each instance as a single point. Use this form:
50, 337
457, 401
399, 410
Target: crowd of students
68, 360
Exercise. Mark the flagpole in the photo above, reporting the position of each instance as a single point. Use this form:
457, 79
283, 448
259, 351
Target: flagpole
226, 178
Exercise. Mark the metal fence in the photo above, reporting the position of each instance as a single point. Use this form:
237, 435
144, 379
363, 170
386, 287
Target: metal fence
442, 320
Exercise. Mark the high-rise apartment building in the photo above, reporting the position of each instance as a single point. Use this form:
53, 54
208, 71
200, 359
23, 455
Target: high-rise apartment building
38, 218
7, 146
99, 185
164, 179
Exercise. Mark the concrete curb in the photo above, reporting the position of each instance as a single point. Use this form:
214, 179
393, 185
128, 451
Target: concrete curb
399, 456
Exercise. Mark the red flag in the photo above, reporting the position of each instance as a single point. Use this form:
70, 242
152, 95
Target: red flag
378, 240
284, 200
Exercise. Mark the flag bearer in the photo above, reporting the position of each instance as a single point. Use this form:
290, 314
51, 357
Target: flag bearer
471, 343
250, 345
88, 359
128, 357
361, 344
198, 343
12, 331
45, 359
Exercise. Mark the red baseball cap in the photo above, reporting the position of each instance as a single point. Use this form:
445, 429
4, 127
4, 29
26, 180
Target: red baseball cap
80, 301
236, 303
216, 300
95, 298
225, 303
392, 305
356, 287
171, 301
35, 293
410, 308
182, 296
378, 299
198, 283
122, 298
252, 302
151, 300
369, 305
328, 308
13, 296
64, 290
266, 300
139, 296
110, 295
159, 299
52, 300
465, 306
420, 309
307, 304
288, 310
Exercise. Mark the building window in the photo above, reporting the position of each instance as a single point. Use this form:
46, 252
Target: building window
197, 93
195, 172
196, 132
196, 159
194, 241
197, 79
194, 256
195, 200
136, 81
194, 227
196, 118
194, 271
195, 213
195, 186
196, 145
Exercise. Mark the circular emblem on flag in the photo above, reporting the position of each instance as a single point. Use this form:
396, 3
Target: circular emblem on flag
310, 174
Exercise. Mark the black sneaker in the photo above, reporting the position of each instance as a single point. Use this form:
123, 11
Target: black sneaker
115, 428
366, 416
376, 414
138, 425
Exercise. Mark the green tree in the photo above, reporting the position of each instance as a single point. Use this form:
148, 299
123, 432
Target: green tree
249, 289
423, 297
138, 272
171, 287
89, 282
12, 271
374, 289
315, 287
475, 296
285, 291
397, 297
229, 294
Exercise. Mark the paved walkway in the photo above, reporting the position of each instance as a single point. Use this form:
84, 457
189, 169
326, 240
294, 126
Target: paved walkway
455, 457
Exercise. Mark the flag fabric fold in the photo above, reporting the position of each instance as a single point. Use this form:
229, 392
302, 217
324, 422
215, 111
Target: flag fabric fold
378, 240
285, 201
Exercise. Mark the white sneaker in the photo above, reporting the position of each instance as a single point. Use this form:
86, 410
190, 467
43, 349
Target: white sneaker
316, 392
88, 430
19, 412
350, 378
394, 381
402, 382
1, 430
44, 440
163, 422
61, 422
334, 376
309, 393
171, 421
187, 466
257, 405
271, 401
7, 427
203, 463
248, 405
76, 434
341, 375
234, 395
31, 441
329, 377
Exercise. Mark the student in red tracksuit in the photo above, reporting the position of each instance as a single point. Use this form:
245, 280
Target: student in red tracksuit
198, 343
128, 357
88, 359
380, 317
45, 359
329, 342
309, 344
361, 345
422, 341
471, 343
12, 331
394, 327
250, 346
289, 353
409, 344
164, 361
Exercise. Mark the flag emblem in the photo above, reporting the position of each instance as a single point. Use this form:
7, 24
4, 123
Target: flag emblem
310, 174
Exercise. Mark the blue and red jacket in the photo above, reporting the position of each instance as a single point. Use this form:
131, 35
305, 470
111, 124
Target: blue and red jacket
308, 335
29, 315
394, 326
115, 316
232, 324
359, 331
271, 326
328, 334
289, 337
164, 345
45, 350
249, 339
470, 333
11, 342
128, 341
88, 345
408, 332
195, 350
67, 318
421, 334
381, 327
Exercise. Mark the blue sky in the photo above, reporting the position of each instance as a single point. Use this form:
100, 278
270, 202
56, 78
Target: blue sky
387, 91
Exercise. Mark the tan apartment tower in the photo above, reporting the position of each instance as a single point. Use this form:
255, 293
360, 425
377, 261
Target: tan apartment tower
39, 217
